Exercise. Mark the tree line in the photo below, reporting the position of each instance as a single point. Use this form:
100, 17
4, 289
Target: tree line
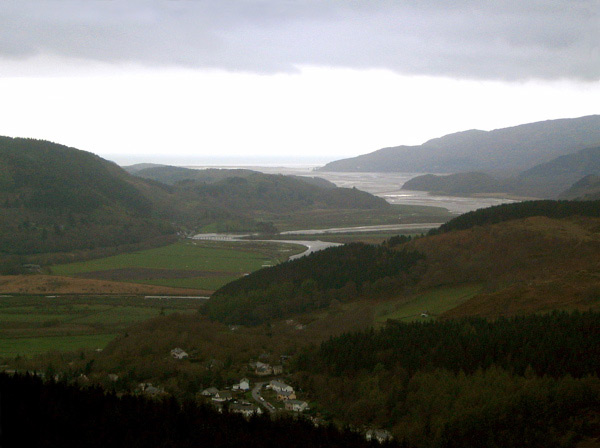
555, 344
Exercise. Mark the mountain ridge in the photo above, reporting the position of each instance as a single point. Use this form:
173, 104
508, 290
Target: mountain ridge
500, 150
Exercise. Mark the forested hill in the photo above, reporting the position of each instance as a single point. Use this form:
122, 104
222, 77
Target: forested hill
522, 382
520, 210
41, 174
527, 257
276, 193
455, 184
314, 282
502, 150
59, 199
55, 198
173, 174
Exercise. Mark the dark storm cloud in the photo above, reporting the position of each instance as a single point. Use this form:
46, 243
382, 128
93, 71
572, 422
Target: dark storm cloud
510, 39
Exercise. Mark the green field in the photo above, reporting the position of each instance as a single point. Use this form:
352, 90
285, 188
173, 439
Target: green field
11, 348
191, 264
32, 325
433, 302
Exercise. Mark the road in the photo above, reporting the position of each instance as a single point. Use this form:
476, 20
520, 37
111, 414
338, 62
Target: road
259, 399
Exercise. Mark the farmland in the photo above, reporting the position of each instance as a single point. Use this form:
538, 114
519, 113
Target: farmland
205, 265
432, 302
31, 325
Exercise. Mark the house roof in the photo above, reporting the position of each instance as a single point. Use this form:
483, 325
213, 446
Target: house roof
296, 402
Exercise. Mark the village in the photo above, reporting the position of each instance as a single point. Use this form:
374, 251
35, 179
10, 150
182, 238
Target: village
266, 394
249, 398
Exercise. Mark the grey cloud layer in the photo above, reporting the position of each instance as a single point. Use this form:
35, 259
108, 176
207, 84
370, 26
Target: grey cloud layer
501, 39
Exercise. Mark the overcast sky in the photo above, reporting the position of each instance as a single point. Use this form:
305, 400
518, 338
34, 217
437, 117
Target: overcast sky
242, 80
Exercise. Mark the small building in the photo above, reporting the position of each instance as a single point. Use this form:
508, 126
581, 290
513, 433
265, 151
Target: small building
32, 267
278, 386
262, 369
149, 389
277, 370
296, 405
222, 395
381, 435
113, 377
284, 395
178, 353
154, 391
246, 409
244, 385
210, 392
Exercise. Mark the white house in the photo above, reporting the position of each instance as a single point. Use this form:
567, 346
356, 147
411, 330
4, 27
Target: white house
278, 386
222, 395
178, 353
210, 392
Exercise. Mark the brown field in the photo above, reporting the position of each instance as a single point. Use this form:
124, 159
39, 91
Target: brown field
132, 274
526, 266
47, 284
566, 294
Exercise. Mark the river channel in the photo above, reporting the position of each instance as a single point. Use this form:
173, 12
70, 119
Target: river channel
385, 185
311, 246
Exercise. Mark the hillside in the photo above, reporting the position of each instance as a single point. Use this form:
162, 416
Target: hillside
510, 149
173, 174
54, 198
465, 383
245, 190
546, 180
455, 184
535, 256
587, 188
550, 179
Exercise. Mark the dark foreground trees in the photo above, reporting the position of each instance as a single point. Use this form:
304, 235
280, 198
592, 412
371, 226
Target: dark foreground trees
48, 414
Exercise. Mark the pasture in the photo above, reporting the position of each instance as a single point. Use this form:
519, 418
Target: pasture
31, 325
204, 265
432, 302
